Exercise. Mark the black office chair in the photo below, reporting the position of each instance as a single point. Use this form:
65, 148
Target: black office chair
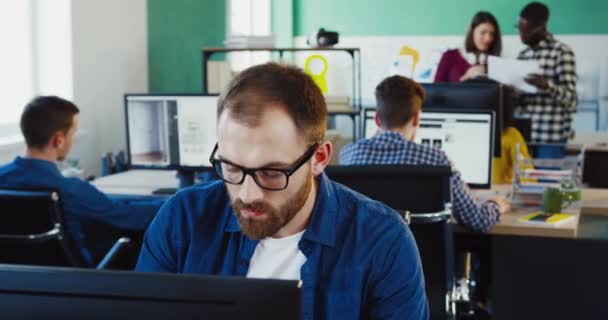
33, 232
422, 195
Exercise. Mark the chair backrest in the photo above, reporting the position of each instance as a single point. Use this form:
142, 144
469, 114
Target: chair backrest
423, 195
417, 189
32, 229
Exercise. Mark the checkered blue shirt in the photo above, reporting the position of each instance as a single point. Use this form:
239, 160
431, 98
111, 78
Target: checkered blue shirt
552, 110
387, 147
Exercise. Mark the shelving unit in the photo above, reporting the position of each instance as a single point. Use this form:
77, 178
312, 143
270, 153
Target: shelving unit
354, 53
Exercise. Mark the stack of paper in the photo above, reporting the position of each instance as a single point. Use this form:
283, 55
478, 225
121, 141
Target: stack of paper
548, 175
513, 72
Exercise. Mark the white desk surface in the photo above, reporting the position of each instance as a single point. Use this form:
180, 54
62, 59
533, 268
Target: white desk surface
137, 182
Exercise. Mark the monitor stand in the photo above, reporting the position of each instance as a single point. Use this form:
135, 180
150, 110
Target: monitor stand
185, 177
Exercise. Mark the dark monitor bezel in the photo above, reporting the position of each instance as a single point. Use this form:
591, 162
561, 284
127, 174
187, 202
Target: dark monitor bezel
72, 285
156, 167
492, 91
487, 185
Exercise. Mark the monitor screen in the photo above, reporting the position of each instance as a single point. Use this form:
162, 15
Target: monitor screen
28, 292
466, 136
170, 131
479, 95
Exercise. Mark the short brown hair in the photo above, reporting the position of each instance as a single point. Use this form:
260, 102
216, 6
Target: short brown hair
43, 117
398, 99
252, 90
479, 18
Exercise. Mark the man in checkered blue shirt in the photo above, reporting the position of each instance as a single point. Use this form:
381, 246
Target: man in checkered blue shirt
553, 106
399, 101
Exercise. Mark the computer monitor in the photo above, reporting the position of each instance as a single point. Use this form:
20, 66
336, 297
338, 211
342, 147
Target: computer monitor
486, 95
65, 293
465, 135
170, 131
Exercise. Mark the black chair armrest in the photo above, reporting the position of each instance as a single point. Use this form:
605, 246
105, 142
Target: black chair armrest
114, 254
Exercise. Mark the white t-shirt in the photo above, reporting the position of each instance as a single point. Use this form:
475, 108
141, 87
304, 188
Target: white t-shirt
277, 258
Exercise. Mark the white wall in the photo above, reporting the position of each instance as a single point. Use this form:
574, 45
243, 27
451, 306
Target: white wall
110, 58
91, 52
379, 52
53, 48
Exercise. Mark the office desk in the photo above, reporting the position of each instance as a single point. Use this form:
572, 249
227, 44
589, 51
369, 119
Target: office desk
130, 186
545, 272
594, 201
596, 156
595, 141
137, 182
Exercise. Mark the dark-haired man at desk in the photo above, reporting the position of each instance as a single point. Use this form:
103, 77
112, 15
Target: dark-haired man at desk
399, 101
49, 125
277, 215
552, 108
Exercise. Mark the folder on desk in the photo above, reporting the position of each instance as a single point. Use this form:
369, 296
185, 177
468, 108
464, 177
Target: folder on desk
547, 218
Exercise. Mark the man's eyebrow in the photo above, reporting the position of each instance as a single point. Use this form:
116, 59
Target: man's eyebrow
269, 165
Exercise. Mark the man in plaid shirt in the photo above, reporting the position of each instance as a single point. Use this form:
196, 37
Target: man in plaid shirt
399, 101
553, 106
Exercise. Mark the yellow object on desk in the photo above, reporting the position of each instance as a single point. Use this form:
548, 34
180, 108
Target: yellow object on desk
547, 218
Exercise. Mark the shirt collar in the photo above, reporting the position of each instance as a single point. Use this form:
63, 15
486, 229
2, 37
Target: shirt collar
545, 41
321, 227
388, 136
45, 165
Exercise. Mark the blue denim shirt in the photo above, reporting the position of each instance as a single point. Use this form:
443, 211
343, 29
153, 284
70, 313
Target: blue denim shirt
82, 202
362, 260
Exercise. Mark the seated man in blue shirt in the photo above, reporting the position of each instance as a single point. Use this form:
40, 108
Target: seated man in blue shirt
277, 215
48, 125
399, 101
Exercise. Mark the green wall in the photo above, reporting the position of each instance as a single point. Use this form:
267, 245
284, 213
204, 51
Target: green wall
438, 17
282, 22
177, 30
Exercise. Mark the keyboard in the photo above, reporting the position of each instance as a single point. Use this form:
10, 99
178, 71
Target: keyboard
165, 191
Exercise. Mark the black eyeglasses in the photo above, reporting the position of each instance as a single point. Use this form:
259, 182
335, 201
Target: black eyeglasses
265, 178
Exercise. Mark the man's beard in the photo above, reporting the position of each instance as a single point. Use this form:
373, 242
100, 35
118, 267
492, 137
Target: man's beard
276, 218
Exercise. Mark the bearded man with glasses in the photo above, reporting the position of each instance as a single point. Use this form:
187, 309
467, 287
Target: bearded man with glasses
277, 215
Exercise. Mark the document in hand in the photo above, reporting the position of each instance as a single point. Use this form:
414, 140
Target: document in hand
512, 72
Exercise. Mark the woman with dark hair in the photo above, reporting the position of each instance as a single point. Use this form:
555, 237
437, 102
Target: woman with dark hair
482, 39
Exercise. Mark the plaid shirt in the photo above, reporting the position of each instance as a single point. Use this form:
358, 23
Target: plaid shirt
552, 109
388, 147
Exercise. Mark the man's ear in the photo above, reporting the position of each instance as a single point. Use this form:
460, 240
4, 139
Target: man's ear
416, 119
377, 120
57, 139
321, 158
